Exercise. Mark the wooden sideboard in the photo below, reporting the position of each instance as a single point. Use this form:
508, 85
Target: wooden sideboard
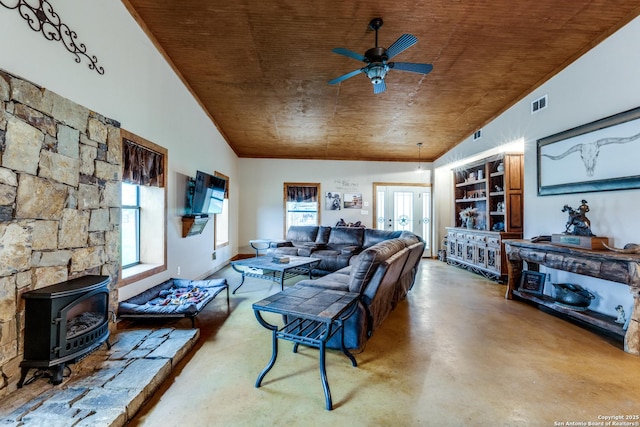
616, 267
479, 251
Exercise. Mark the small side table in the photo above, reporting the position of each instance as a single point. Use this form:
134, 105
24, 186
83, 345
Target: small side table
259, 245
313, 315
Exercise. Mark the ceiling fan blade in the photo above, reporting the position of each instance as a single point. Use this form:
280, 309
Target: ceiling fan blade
379, 88
346, 76
349, 53
412, 67
403, 43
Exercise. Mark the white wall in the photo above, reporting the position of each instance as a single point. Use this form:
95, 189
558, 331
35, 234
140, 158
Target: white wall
141, 91
601, 83
262, 180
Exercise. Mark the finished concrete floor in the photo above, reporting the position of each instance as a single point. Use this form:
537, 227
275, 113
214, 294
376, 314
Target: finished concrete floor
454, 353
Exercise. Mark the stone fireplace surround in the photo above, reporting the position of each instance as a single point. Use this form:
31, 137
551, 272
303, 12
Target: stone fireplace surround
60, 175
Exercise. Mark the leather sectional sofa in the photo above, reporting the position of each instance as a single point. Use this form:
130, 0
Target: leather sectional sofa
334, 246
381, 267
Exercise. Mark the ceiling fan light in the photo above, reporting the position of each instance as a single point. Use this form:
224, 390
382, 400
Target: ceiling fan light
376, 73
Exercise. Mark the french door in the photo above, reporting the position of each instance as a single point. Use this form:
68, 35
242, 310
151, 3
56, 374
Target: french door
404, 207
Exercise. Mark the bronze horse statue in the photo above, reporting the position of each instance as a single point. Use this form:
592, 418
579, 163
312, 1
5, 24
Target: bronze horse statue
578, 219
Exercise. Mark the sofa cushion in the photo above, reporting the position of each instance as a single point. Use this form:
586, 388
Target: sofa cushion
323, 235
409, 238
387, 273
302, 233
287, 250
408, 274
331, 259
346, 236
366, 263
380, 293
373, 236
335, 281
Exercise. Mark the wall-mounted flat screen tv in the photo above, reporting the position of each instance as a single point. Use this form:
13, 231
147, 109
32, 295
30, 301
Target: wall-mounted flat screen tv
208, 194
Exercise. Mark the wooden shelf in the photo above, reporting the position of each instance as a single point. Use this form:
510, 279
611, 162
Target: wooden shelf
192, 225
475, 199
468, 183
482, 249
588, 316
496, 189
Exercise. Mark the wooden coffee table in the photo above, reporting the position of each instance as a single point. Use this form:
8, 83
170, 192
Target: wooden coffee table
312, 315
264, 268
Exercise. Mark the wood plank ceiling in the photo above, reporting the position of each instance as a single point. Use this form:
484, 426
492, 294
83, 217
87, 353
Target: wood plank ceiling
260, 68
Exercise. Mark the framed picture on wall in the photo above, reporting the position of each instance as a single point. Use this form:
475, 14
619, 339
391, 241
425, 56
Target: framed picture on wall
598, 156
332, 201
353, 200
532, 282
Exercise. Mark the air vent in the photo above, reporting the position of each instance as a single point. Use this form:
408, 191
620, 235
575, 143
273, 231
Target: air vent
477, 135
539, 104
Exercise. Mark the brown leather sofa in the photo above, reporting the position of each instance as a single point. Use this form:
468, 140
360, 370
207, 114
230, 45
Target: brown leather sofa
334, 246
382, 274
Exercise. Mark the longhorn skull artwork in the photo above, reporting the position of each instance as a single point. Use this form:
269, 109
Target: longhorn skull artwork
589, 151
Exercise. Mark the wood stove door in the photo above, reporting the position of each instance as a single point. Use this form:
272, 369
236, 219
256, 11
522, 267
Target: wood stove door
83, 323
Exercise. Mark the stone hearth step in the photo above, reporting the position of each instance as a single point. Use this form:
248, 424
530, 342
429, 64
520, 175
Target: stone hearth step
107, 387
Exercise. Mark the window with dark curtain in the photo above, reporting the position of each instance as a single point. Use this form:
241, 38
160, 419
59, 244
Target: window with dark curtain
302, 194
142, 166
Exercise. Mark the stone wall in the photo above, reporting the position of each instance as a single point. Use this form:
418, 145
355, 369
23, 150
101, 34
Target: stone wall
60, 174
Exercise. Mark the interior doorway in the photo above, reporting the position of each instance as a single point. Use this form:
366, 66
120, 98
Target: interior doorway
404, 207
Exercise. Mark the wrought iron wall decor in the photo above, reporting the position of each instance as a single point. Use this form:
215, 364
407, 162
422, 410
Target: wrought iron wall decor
41, 18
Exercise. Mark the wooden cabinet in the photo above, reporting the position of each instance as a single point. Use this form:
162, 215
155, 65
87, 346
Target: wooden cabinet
479, 251
494, 188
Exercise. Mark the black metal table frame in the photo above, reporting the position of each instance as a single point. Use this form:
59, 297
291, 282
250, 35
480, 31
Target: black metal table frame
275, 275
312, 333
256, 245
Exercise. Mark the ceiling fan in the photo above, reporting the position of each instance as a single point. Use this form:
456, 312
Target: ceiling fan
377, 59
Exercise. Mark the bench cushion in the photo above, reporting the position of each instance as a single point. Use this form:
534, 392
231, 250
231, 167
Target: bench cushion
172, 298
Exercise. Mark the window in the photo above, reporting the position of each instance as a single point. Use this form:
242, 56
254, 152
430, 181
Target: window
301, 204
143, 222
222, 220
130, 225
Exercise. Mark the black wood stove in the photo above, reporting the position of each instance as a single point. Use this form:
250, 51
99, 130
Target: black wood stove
64, 323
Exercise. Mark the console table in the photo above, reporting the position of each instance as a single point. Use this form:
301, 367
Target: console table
616, 267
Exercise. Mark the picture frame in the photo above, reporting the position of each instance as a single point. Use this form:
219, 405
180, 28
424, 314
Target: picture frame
532, 282
353, 200
332, 201
602, 156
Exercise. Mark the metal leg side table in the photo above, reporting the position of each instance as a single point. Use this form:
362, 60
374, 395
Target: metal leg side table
313, 316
